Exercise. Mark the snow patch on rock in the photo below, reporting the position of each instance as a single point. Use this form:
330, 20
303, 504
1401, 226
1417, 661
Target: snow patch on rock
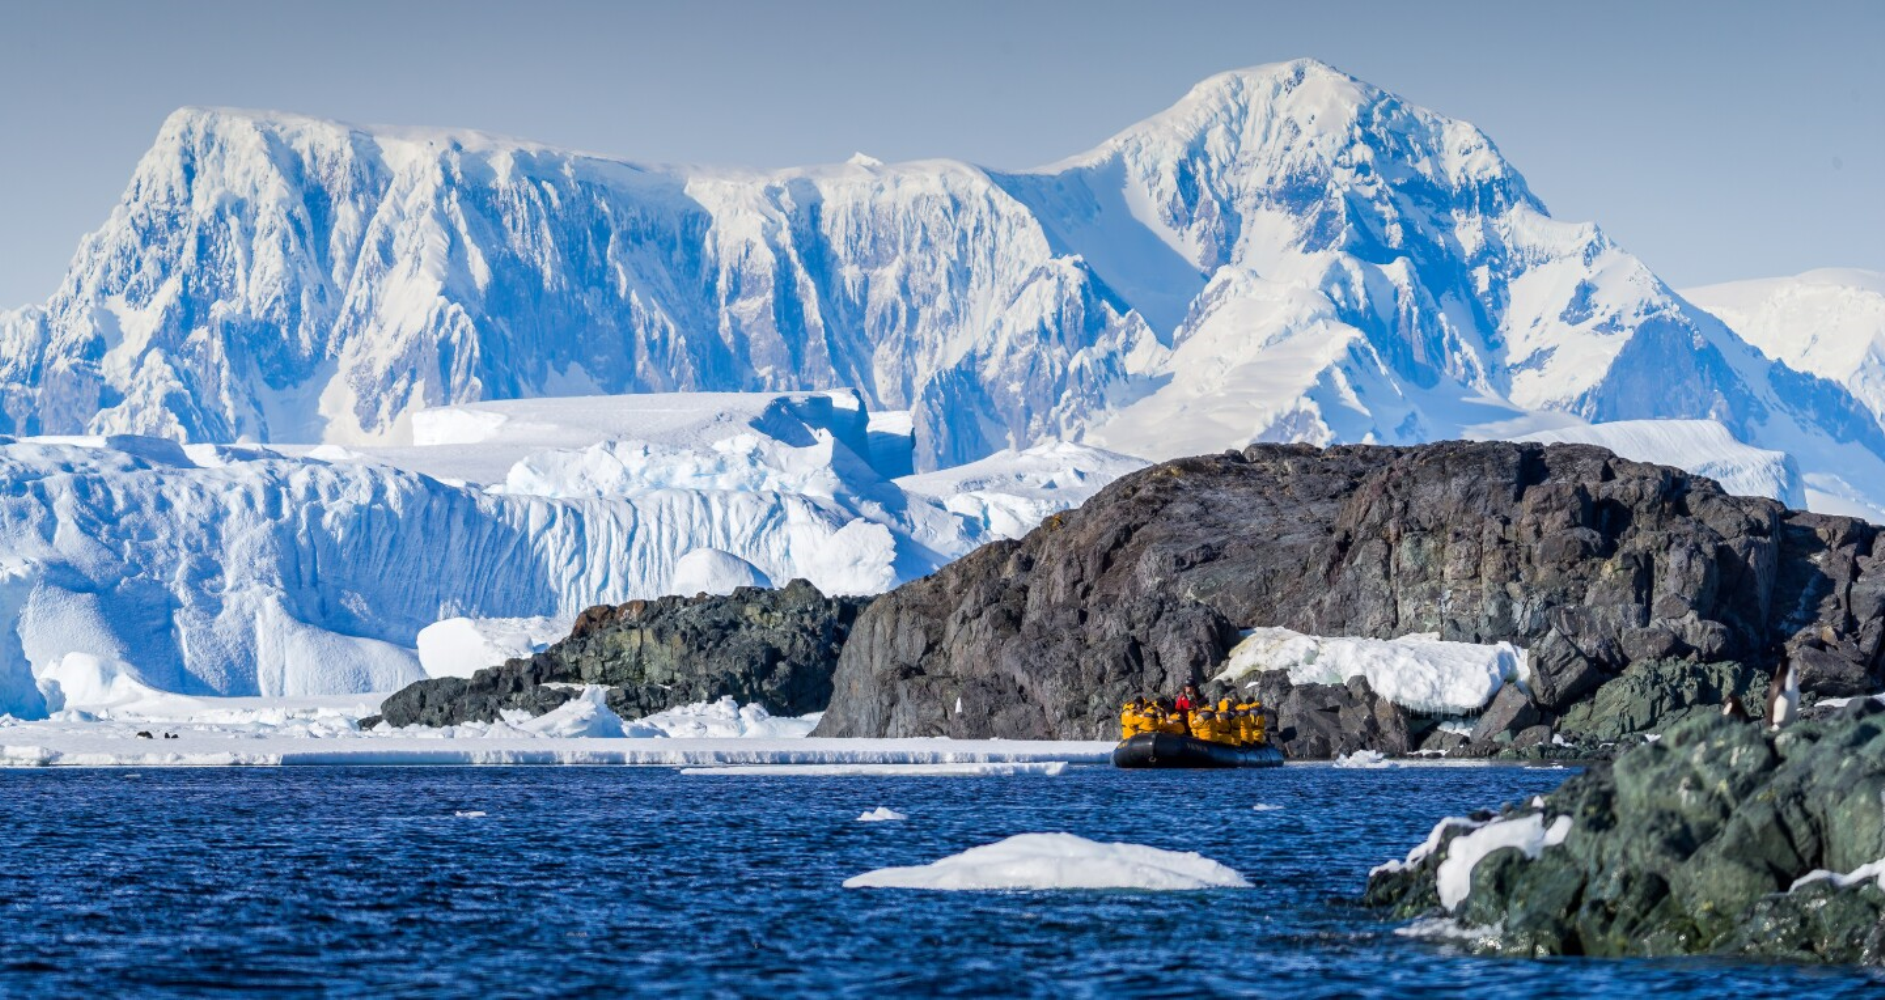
1420, 672
1529, 834
460, 647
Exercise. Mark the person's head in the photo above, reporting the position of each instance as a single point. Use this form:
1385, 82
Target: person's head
1191, 688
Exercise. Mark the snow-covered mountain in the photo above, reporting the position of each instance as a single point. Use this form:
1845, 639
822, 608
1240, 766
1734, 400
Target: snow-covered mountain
136, 563
1286, 253
1829, 323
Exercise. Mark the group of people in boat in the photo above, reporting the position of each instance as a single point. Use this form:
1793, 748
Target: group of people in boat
1236, 722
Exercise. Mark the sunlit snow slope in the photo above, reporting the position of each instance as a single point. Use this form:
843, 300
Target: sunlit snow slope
1287, 253
1830, 323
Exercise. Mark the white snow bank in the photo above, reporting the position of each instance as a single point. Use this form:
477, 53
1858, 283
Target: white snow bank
881, 814
1057, 861
1703, 447
586, 716
711, 571
1420, 672
1428, 846
887, 769
1011, 492
725, 719
1873, 872
460, 647
1527, 833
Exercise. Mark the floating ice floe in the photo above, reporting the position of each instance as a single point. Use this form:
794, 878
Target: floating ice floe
1264, 807
469, 814
1363, 758
881, 814
1057, 861
886, 769
325, 730
1420, 672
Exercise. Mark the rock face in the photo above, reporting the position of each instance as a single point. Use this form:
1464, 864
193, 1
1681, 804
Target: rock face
1593, 563
1688, 845
775, 648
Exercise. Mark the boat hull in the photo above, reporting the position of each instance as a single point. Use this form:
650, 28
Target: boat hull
1166, 750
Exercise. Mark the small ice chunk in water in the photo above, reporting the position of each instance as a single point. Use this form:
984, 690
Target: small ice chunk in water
1058, 861
1362, 758
469, 814
881, 814
1264, 807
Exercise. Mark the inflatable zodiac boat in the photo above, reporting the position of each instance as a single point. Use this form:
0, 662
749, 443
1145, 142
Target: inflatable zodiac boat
1169, 750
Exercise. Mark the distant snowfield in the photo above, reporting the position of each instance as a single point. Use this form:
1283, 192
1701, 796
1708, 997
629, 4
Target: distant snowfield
215, 732
132, 565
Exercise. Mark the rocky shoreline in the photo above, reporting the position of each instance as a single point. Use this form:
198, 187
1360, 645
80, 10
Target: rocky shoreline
774, 648
1642, 594
1720, 838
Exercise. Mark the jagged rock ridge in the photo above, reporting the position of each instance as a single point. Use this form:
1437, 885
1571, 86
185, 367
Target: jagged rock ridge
1601, 567
773, 648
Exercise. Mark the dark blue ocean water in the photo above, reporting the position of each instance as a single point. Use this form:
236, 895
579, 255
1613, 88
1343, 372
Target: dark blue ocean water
610, 881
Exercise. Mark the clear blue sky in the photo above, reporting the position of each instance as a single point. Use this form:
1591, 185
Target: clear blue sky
1716, 140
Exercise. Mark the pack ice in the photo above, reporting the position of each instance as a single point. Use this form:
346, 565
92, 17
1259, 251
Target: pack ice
130, 564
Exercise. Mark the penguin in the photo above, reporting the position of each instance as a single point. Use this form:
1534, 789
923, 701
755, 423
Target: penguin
1733, 708
1783, 696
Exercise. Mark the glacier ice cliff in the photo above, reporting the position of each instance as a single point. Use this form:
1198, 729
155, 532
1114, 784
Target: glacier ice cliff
241, 570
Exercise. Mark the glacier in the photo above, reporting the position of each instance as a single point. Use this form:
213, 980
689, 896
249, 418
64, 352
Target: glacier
135, 563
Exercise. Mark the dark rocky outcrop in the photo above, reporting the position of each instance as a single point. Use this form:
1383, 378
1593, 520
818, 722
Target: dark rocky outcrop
1597, 565
1688, 845
775, 648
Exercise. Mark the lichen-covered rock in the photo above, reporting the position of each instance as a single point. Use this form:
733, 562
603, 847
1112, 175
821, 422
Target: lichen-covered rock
775, 648
1655, 694
1686, 845
1591, 562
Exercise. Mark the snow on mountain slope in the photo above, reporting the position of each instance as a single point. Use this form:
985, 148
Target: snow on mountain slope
1703, 447
1286, 253
1829, 323
1011, 492
134, 563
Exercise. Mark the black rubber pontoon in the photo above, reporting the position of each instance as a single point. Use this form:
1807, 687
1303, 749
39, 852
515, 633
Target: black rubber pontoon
1169, 750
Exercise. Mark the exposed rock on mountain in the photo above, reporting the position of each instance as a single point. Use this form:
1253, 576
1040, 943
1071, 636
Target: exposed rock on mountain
1601, 567
774, 648
1720, 838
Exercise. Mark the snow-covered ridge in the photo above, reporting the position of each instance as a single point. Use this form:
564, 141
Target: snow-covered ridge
1829, 322
1288, 253
1703, 447
133, 564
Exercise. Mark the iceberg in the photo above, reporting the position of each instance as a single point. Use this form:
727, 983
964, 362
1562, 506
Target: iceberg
1058, 861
